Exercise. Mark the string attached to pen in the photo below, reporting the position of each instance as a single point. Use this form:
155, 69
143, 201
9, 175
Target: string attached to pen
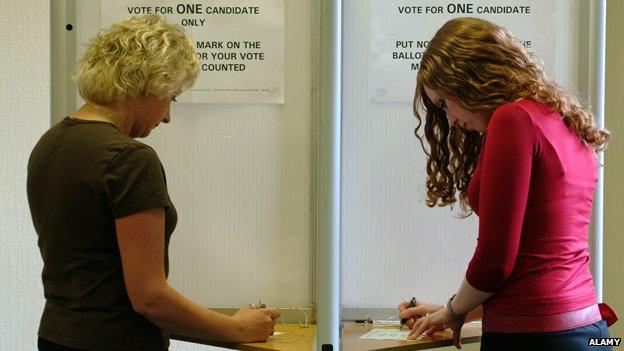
305, 325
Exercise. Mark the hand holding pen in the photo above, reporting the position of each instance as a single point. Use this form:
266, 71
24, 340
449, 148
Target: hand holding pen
412, 303
410, 311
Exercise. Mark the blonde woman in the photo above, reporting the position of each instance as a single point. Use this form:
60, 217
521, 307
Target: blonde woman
101, 209
521, 153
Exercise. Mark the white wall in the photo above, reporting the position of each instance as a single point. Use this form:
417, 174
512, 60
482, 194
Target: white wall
25, 115
614, 168
241, 177
389, 236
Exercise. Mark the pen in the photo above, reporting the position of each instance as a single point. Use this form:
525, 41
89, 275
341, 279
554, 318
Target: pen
260, 305
411, 304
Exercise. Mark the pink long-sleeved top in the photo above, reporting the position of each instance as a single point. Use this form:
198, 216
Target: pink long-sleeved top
532, 189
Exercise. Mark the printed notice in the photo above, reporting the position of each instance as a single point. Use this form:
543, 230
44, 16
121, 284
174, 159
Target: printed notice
239, 43
401, 31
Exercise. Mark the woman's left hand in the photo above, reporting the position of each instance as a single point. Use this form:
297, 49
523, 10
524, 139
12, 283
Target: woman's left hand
436, 321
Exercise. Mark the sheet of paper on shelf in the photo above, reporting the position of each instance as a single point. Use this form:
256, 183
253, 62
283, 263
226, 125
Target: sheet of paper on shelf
387, 334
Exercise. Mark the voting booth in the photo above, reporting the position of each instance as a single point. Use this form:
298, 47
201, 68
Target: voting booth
292, 161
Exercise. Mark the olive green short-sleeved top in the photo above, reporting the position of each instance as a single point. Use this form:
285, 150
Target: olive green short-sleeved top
82, 175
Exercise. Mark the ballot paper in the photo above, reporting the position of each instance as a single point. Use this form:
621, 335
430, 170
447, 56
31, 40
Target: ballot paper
387, 334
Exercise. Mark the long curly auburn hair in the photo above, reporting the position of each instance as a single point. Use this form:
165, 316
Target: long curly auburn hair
483, 66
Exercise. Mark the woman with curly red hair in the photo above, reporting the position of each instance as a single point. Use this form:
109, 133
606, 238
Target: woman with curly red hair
520, 152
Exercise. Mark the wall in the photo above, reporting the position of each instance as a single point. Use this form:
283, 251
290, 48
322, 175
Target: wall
25, 101
614, 167
241, 178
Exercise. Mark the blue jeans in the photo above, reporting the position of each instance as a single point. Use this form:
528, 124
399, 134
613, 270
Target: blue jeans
568, 340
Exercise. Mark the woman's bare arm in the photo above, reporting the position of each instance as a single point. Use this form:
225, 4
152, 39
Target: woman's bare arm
141, 243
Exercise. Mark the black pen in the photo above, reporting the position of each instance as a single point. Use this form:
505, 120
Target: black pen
411, 304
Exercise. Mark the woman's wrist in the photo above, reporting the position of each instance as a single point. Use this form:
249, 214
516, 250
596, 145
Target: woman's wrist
452, 311
235, 329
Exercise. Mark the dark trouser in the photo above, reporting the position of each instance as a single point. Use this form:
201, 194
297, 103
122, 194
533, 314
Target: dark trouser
45, 345
568, 340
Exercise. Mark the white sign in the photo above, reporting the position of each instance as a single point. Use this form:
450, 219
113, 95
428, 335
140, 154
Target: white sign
401, 30
240, 44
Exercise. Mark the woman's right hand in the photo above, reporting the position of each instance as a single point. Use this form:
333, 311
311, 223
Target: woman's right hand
413, 313
254, 324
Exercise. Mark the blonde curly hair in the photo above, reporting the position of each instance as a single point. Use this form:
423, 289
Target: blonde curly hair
140, 55
483, 66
